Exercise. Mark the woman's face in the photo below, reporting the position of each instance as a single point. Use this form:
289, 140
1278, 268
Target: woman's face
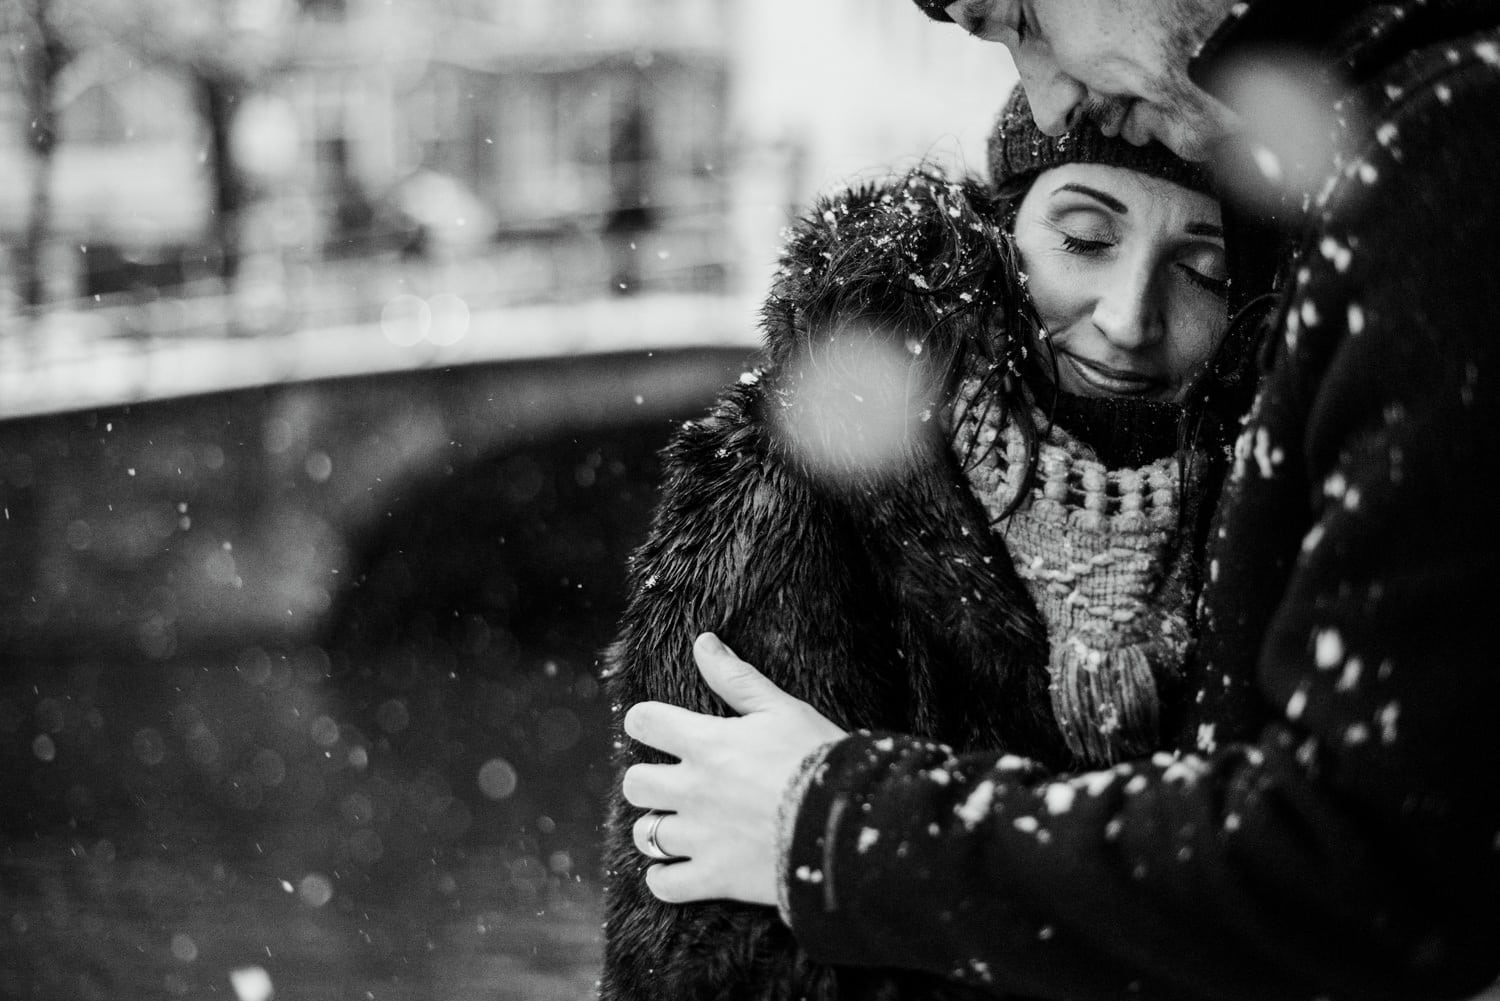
1127, 273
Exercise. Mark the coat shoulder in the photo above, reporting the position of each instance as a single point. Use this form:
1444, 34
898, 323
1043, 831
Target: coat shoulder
921, 256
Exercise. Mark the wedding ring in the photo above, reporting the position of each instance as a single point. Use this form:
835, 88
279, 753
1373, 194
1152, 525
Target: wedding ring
653, 846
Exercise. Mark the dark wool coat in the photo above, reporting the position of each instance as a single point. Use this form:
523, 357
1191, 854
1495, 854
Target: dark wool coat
1331, 827
877, 592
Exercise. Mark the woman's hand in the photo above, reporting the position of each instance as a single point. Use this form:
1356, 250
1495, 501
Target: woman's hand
723, 795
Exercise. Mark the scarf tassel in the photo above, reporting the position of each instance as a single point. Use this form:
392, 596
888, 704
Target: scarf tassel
1105, 699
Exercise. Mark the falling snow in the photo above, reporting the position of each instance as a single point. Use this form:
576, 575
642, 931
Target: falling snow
973, 810
1328, 648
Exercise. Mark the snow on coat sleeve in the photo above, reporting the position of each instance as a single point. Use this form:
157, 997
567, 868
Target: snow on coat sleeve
1348, 846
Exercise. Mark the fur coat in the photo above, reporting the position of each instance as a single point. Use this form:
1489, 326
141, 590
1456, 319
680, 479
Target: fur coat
838, 549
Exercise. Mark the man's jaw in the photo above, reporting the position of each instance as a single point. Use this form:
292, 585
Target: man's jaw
1191, 133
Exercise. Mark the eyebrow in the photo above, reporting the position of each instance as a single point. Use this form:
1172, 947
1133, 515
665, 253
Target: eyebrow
1108, 201
1115, 205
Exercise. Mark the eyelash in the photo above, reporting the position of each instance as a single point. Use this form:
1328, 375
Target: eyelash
1089, 248
1078, 245
1022, 27
1218, 287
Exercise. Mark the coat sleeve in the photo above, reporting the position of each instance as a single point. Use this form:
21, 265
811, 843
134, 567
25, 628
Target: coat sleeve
1348, 847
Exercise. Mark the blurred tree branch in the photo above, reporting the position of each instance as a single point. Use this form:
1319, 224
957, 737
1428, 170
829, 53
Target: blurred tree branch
40, 50
226, 49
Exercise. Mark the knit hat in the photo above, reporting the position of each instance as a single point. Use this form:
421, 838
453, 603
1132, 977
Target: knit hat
934, 9
1018, 148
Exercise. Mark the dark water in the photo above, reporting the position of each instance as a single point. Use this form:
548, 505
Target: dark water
311, 717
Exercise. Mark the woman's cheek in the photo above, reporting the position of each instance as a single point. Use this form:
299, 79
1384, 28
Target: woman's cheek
1196, 331
1056, 291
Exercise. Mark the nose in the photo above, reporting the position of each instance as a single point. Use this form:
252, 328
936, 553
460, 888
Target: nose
1056, 99
1127, 312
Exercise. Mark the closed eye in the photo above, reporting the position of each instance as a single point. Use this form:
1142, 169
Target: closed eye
1078, 245
1218, 286
1204, 267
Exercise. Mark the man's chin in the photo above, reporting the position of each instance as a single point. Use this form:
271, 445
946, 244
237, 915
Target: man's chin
1197, 128
1189, 140
1196, 147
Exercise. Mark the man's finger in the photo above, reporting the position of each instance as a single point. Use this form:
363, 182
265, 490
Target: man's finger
652, 787
678, 882
668, 728
736, 682
673, 835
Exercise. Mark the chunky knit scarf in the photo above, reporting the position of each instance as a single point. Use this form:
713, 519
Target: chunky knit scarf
1099, 549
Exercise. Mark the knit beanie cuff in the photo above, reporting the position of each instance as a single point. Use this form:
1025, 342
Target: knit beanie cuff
1018, 148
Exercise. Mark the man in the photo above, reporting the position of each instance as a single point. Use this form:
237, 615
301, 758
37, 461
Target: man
1330, 822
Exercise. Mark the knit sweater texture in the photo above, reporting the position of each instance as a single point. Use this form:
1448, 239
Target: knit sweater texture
1329, 824
1100, 552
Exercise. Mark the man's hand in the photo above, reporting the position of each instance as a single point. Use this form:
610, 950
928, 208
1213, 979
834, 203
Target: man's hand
723, 794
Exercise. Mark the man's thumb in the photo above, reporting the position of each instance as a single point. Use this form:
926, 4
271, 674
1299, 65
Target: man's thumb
736, 682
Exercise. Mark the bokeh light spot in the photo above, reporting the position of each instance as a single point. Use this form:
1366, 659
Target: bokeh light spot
277, 436
251, 983
450, 319
324, 732
315, 889
852, 411
184, 948
498, 778
318, 467
405, 320
1286, 113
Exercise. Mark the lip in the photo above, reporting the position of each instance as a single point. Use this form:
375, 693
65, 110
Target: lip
1110, 381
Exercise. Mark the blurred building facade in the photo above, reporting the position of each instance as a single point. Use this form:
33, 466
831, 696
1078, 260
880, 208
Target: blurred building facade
500, 151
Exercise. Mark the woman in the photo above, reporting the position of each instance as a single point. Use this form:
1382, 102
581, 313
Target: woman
936, 509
